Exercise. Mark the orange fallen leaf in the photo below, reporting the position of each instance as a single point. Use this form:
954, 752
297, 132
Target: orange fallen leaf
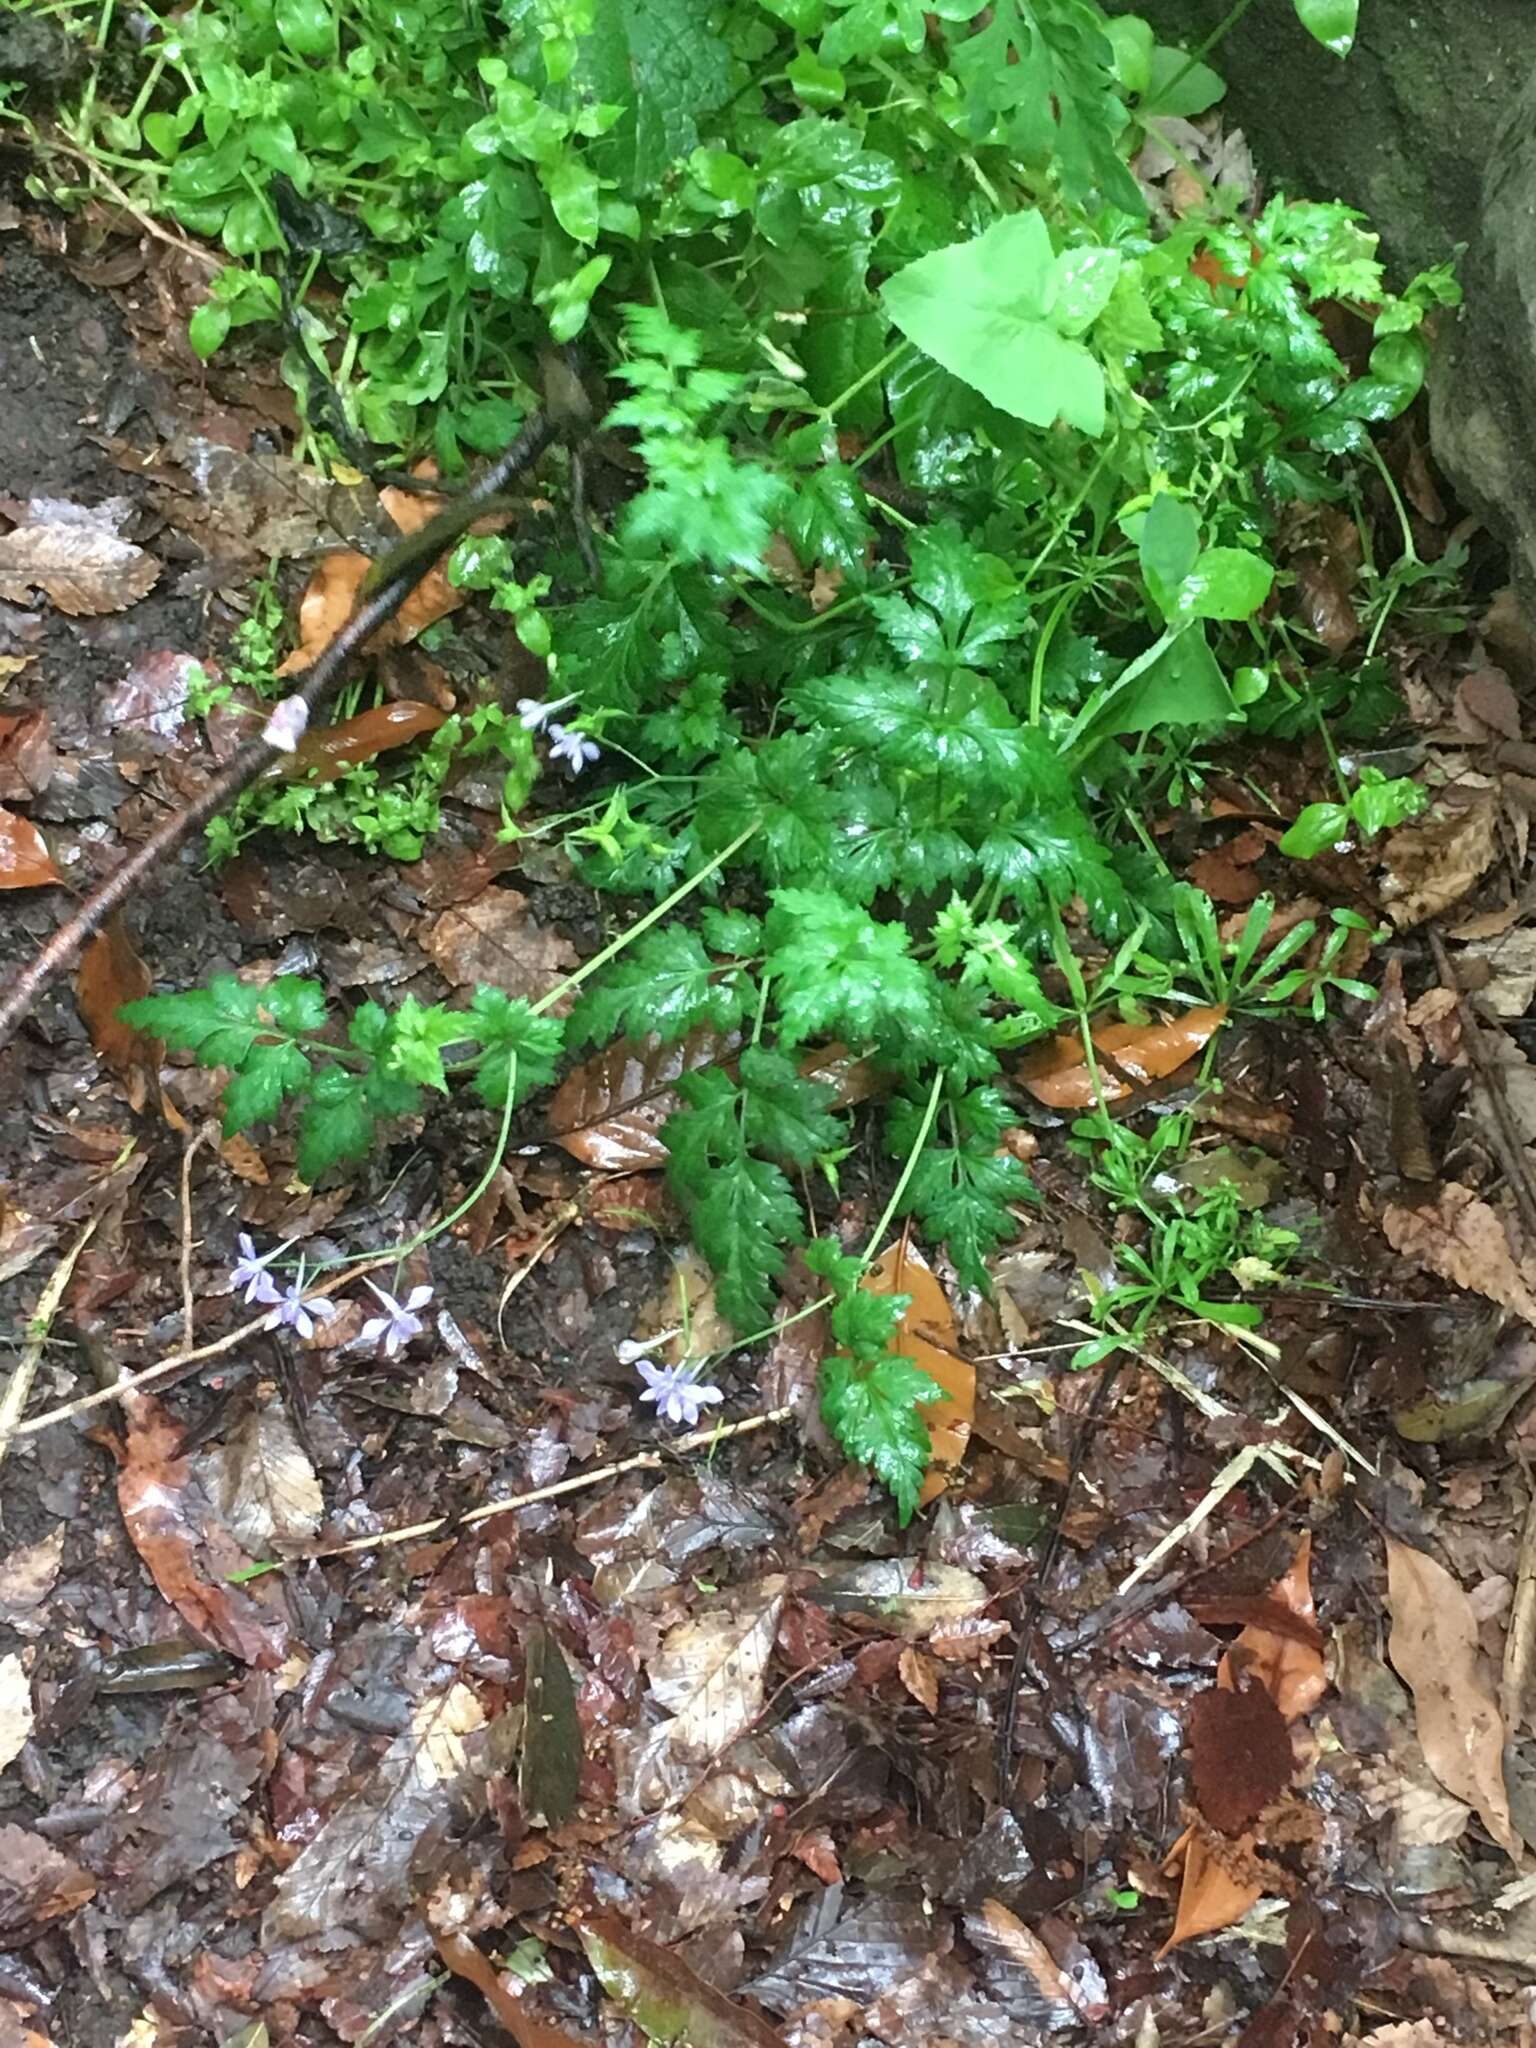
927, 1335
327, 753
24, 857
1127, 1055
111, 973
1210, 1896
1289, 1666
333, 589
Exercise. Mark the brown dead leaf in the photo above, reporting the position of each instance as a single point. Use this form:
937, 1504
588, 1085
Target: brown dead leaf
74, 554
1218, 1884
669, 2000
334, 588
264, 1484
111, 973
24, 858
710, 1675
920, 1675
1486, 707
1465, 1242
1509, 959
493, 939
1438, 859
1286, 1659
608, 1112
927, 1335
27, 758
1127, 1055
326, 755
1240, 1758
16, 1715
190, 1555
1324, 590
510, 2006
1434, 1645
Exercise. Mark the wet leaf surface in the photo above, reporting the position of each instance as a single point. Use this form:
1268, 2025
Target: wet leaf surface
659, 1991
927, 1335
24, 858
75, 555
550, 1777
328, 751
1128, 1056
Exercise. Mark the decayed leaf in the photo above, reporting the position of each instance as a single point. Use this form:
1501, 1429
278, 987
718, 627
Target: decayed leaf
996, 1932
75, 555
608, 1112
667, 1999
709, 1674
27, 758
1280, 1651
188, 1551
857, 1954
494, 939
1511, 967
912, 1597
1434, 1645
1435, 861
1465, 1242
24, 858
1486, 707
1240, 1758
27, 1576
927, 1336
264, 1484
1128, 1056
325, 754
356, 1871
37, 1884
550, 1776
920, 1675
111, 973
16, 1716
685, 1310
510, 2007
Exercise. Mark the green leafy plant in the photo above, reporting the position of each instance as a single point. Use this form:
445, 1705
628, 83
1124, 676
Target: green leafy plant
942, 483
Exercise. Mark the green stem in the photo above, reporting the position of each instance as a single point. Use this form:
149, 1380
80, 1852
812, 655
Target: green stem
1223, 28
679, 895
930, 1111
869, 377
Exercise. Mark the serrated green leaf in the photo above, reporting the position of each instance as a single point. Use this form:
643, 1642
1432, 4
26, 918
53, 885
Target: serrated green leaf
827, 520
874, 1412
744, 1223
518, 1046
785, 1116
269, 1075
839, 973
338, 1124
666, 983
417, 1038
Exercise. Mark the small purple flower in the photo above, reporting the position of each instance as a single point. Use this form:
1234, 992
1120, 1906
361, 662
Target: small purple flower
250, 1272
296, 1312
676, 1393
399, 1322
570, 745
533, 714
286, 727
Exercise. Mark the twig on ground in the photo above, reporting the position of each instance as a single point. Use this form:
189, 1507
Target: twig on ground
1520, 1643
209, 258
320, 681
186, 1239
642, 1461
39, 1323
1231, 1474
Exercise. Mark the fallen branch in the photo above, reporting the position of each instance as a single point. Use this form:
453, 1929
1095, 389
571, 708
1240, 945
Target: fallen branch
319, 683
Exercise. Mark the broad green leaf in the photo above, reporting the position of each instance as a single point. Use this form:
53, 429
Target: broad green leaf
1225, 583
306, 26
573, 193
1176, 682
1331, 22
208, 327
986, 311
1178, 87
1317, 828
1169, 547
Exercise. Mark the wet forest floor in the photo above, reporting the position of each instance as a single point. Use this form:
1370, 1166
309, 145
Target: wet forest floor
710, 1725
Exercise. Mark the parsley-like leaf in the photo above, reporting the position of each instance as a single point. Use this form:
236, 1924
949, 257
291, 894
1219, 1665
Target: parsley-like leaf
873, 1411
841, 974
509, 1031
665, 983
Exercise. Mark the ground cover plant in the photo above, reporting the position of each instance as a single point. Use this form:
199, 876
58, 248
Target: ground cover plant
948, 540
767, 1213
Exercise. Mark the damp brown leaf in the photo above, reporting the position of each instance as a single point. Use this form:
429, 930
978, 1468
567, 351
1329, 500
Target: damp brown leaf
24, 857
112, 973
1465, 1241
608, 1112
1434, 1645
495, 939
1128, 1056
1240, 1758
326, 754
76, 557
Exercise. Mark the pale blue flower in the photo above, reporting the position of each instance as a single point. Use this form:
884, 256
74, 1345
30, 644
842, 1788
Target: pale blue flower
678, 1396
570, 745
297, 1312
250, 1272
399, 1322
